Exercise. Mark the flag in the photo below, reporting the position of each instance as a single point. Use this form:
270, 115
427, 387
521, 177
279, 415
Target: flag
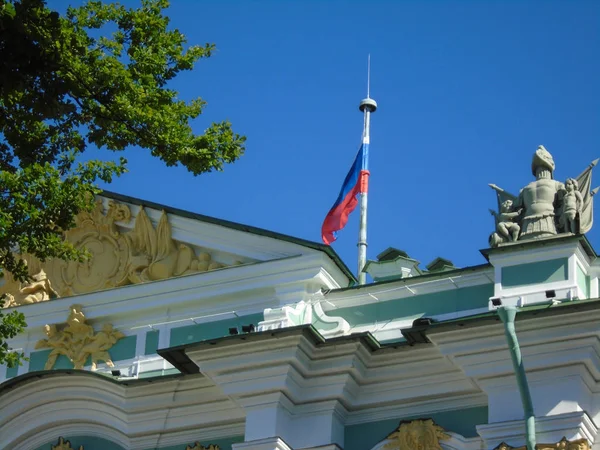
356, 182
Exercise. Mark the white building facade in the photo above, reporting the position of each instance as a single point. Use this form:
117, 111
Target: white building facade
219, 334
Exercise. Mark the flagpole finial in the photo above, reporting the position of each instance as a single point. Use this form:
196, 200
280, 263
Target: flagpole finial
368, 103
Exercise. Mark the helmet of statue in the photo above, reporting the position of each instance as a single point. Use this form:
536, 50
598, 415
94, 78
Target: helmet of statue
542, 158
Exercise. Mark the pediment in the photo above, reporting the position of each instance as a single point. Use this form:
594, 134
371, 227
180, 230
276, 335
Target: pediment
130, 243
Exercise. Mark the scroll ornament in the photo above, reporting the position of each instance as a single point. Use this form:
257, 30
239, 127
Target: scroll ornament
117, 258
563, 444
417, 435
78, 341
64, 445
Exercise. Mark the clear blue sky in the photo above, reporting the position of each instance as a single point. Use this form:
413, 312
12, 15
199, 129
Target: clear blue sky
467, 90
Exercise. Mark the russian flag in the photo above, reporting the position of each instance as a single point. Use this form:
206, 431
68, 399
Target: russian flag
356, 182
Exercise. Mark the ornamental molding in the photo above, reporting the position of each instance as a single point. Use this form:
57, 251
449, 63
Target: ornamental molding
64, 445
198, 446
417, 435
117, 258
563, 444
78, 341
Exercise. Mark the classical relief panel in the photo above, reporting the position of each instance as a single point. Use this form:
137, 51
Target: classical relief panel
563, 444
417, 435
78, 341
117, 258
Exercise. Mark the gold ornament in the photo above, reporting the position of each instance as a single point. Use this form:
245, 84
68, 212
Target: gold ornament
417, 435
116, 258
78, 341
197, 446
563, 444
64, 445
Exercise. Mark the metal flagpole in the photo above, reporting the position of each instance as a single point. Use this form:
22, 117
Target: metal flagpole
367, 106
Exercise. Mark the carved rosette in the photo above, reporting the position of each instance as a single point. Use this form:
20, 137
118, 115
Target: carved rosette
198, 446
117, 258
64, 445
563, 444
78, 341
417, 435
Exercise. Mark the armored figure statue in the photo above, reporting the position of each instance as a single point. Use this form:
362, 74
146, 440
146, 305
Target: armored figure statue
545, 207
540, 198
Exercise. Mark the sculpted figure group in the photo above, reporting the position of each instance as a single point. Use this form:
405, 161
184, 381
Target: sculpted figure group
78, 341
545, 207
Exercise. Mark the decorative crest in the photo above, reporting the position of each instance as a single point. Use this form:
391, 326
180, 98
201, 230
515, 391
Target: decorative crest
198, 446
64, 445
117, 258
545, 207
78, 341
563, 444
417, 435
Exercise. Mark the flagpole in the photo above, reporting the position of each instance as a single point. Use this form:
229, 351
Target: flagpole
367, 106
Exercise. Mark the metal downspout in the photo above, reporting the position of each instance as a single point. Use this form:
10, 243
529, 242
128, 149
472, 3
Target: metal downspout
507, 315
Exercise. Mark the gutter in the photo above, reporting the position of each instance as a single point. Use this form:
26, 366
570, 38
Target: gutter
507, 315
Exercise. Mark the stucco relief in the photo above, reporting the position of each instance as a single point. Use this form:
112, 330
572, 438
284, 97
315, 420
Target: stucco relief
78, 341
117, 258
563, 444
417, 435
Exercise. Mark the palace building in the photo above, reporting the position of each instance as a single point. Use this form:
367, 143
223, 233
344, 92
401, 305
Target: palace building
185, 332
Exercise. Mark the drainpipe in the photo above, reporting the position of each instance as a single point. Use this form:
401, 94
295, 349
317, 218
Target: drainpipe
507, 315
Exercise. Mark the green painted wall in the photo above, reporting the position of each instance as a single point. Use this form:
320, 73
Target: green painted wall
12, 372
367, 435
123, 349
151, 342
583, 281
211, 330
37, 360
89, 443
416, 306
534, 273
95, 443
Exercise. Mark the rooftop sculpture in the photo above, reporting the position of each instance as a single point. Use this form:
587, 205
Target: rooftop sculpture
545, 207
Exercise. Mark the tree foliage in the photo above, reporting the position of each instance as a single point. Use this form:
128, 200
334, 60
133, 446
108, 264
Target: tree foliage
97, 76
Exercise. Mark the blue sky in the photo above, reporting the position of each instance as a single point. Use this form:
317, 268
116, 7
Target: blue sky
467, 90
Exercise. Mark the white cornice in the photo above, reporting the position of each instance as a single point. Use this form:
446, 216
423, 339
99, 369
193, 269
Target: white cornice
207, 293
